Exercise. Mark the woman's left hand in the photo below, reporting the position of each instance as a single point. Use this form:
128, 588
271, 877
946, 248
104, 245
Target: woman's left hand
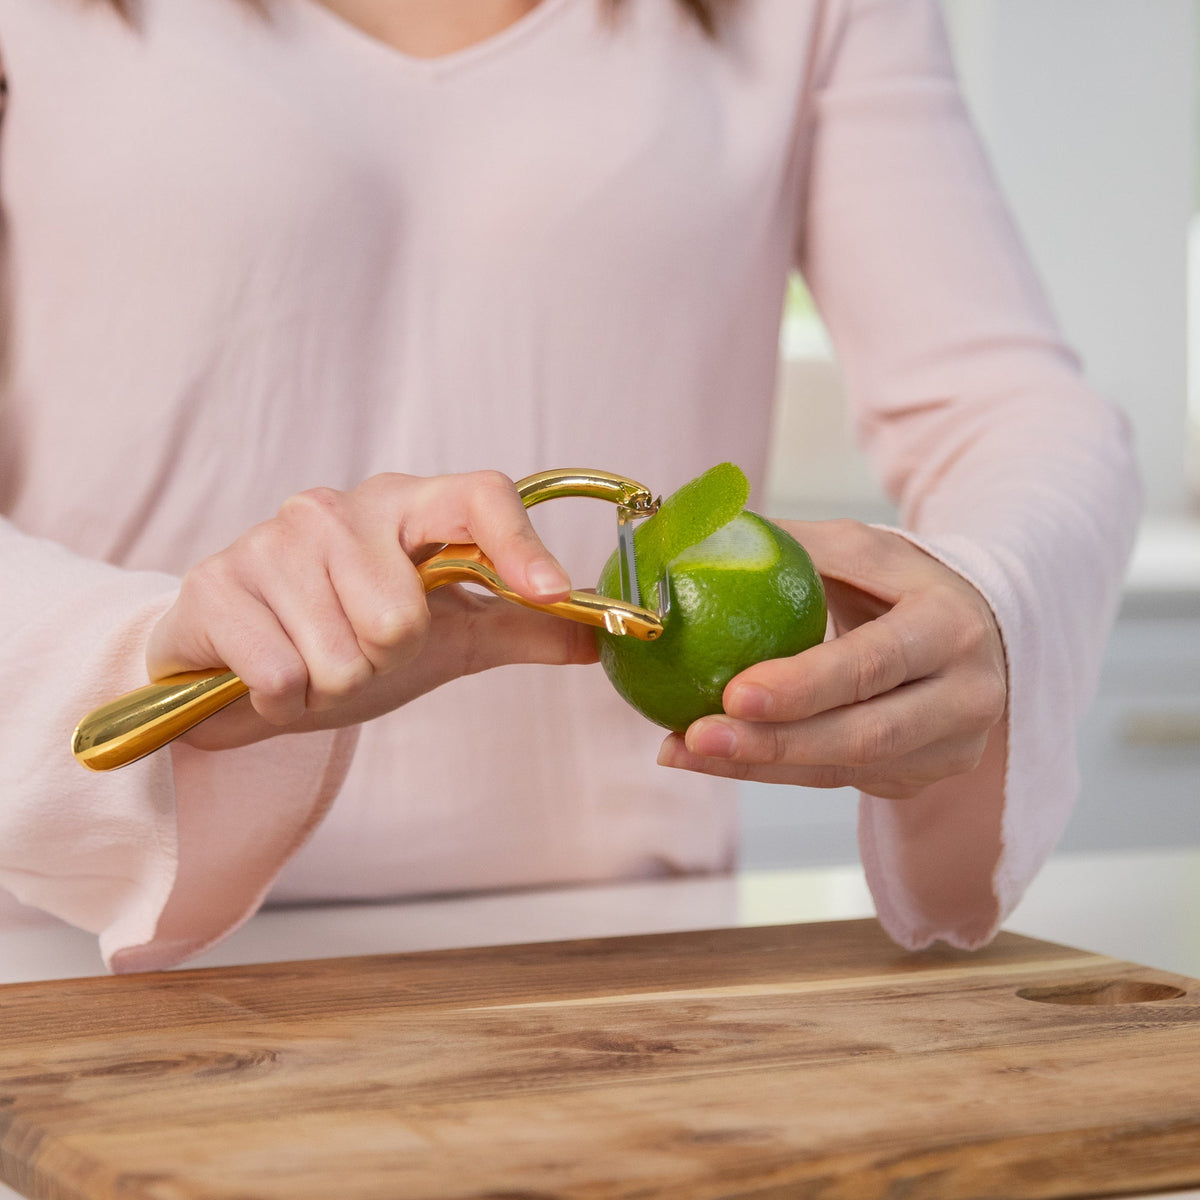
905, 695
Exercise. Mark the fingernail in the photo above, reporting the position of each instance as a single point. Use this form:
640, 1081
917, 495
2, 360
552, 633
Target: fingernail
547, 578
674, 753
712, 739
750, 700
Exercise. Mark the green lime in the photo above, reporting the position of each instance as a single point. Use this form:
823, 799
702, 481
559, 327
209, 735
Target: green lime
741, 590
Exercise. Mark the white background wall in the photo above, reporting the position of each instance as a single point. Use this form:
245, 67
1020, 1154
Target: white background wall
1089, 110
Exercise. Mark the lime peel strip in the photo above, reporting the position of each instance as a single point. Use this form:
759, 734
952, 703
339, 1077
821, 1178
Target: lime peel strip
688, 516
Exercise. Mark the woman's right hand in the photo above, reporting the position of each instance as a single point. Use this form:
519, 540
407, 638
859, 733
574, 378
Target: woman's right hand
321, 612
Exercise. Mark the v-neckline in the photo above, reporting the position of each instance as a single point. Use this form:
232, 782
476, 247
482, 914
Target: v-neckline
439, 64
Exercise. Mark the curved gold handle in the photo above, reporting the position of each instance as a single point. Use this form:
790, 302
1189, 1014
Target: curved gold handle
579, 481
145, 720
466, 563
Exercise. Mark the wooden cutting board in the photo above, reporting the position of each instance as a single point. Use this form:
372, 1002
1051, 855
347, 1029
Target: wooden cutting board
809, 1061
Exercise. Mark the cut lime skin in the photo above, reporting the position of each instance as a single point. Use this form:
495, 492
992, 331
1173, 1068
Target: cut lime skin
723, 618
688, 516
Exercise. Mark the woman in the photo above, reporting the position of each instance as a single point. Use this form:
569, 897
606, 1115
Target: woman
259, 249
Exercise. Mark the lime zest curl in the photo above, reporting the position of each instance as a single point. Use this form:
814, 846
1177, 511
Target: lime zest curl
697, 510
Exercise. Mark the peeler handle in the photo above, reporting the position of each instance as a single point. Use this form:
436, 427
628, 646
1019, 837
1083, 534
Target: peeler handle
599, 485
466, 563
145, 720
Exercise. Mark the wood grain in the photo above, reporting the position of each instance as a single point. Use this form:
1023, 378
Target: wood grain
811, 1061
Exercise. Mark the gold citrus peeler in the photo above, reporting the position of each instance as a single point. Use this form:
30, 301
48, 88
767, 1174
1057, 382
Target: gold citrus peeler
145, 720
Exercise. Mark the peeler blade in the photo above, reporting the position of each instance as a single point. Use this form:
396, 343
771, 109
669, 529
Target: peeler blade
631, 590
663, 590
626, 559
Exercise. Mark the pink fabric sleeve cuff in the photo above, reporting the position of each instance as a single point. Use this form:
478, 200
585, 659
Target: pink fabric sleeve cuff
952, 863
239, 816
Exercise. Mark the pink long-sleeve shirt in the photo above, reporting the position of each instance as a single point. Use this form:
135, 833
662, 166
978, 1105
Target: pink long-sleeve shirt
246, 255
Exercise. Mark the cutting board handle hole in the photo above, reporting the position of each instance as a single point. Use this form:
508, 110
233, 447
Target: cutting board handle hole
1102, 991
